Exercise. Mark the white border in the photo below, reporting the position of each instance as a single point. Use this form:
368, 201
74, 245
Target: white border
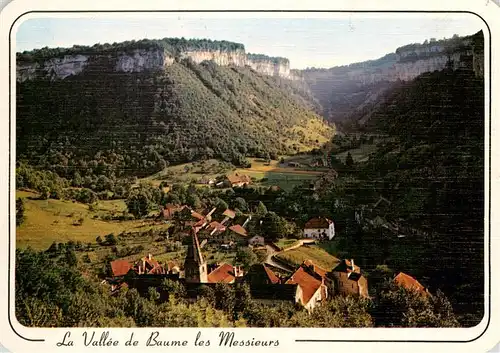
488, 11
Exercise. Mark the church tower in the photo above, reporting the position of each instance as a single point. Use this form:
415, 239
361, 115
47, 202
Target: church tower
195, 266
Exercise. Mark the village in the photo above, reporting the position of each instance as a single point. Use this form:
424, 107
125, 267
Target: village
270, 281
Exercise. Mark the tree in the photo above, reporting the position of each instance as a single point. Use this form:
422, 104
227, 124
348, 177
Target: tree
77, 180
20, 217
349, 161
261, 209
193, 200
110, 239
174, 288
273, 226
240, 204
138, 204
220, 204
70, 258
245, 257
399, 307
44, 192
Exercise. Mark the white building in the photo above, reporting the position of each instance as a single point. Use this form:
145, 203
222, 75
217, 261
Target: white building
319, 228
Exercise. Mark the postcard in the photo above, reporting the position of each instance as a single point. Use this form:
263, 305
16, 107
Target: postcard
282, 177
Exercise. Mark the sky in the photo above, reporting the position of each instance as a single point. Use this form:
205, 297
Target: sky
306, 42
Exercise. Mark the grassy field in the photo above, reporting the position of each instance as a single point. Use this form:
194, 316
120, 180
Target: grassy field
360, 154
274, 173
285, 243
319, 256
58, 220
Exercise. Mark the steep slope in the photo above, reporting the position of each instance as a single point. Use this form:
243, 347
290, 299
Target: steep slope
132, 112
434, 176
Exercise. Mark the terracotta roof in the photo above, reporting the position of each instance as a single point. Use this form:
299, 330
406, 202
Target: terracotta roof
270, 274
216, 225
200, 223
408, 282
197, 215
318, 223
319, 270
239, 230
229, 213
120, 267
223, 273
307, 283
235, 179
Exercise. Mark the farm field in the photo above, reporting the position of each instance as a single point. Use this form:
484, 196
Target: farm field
273, 173
319, 256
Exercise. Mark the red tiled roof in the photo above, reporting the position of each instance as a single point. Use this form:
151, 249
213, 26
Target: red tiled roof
223, 273
120, 267
270, 274
319, 270
229, 213
200, 223
307, 283
408, 282
197, 215
216, 225
235, 179
239, 230
318, 223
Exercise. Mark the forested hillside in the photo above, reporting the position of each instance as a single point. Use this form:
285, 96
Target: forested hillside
433, 175
115, 124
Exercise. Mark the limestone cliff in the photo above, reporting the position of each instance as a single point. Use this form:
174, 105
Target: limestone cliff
149, 56
342, 89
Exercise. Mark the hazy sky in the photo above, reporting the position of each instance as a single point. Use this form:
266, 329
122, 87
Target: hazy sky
318, 42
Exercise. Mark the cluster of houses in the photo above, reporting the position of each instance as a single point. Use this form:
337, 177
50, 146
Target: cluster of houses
234, 180
309, 285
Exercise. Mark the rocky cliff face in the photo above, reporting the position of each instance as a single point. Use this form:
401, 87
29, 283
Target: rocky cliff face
139, 60
341, 90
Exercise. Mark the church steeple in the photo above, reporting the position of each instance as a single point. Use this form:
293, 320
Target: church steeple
195, 266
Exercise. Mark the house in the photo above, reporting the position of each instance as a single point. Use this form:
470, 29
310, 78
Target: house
239, 230
225, 273
410, 283
229, 213
170, 209
206, 181
215, 228
227, 246
349, 280
256, 240
120, 268
238, 180
148, 265
311, 287
319, 228
261, 274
